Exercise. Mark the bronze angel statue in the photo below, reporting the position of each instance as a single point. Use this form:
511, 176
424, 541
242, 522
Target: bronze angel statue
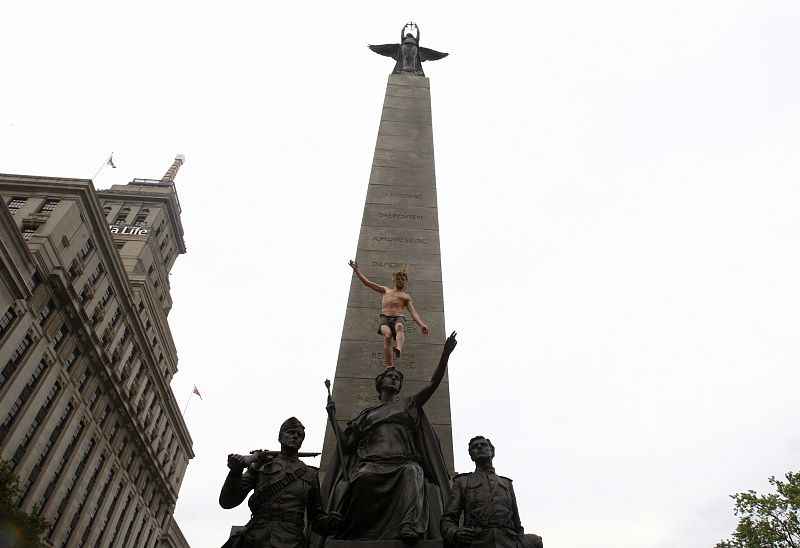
408, 54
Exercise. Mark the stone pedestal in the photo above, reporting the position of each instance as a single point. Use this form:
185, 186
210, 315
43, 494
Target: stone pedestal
399, 229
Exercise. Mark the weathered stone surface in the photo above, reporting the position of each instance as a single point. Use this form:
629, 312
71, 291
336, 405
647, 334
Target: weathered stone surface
400, 216
402, 176
378, 265
400, 229
401, 196
408, 80
401, 159
410, 103
413, 116
410, 240
408, 143
427, 293
361, 323
416, 363
408, 91
388, 127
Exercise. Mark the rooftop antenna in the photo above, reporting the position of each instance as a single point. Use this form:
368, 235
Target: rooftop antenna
169, 176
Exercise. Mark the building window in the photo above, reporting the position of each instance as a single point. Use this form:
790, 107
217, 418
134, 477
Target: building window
33, 283
35, 424
28, 230
24, 394
16, 358
44, 313
84, 251
103, 416
133, 522
82, 500
112, 505
83, 379
54, 481
128, 462
105, 296
37, 467
113, 432
6, 320
122, 216
90, 526
72, 358
97, 273
72, 271
94, 398
49, 206
120, 519
140, 218
59, 337
15, 204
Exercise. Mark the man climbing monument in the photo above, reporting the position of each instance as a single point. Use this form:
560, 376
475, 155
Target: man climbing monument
391, 323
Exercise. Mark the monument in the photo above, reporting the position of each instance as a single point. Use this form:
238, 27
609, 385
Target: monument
387, 459
399, 230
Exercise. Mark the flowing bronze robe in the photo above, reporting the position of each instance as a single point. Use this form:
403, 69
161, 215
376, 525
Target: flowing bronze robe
398, 478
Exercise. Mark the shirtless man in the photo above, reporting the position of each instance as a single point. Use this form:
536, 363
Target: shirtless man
392, 321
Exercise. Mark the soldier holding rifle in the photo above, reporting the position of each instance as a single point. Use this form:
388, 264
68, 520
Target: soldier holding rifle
286, 495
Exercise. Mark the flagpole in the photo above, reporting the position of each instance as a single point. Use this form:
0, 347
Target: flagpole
185, 407
104, 164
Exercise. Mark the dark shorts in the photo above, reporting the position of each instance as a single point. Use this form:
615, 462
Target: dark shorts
391, 321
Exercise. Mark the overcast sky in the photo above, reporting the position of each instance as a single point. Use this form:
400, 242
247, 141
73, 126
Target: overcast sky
618, 192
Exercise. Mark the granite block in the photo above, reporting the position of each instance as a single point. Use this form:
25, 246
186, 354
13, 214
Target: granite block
402, 176
400, 216
411, 240
401, 196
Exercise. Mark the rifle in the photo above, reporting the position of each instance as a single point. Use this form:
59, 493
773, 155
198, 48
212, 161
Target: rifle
259, 455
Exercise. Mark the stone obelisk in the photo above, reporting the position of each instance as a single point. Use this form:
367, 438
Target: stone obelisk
399, 229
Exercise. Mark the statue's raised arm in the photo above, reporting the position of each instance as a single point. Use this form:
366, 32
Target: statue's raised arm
425, 394
408, 55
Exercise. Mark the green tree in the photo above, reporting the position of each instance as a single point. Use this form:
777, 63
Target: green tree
18, 529
768, 521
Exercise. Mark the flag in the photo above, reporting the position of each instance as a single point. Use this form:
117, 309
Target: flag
196, 391
111, 163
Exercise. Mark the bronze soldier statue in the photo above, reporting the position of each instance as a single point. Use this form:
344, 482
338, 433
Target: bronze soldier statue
286, 497
491, 518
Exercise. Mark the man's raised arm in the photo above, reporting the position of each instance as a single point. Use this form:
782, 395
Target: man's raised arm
365, 280
422, 325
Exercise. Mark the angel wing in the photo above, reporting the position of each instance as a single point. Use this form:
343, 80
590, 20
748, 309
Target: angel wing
427, 54
389, 50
